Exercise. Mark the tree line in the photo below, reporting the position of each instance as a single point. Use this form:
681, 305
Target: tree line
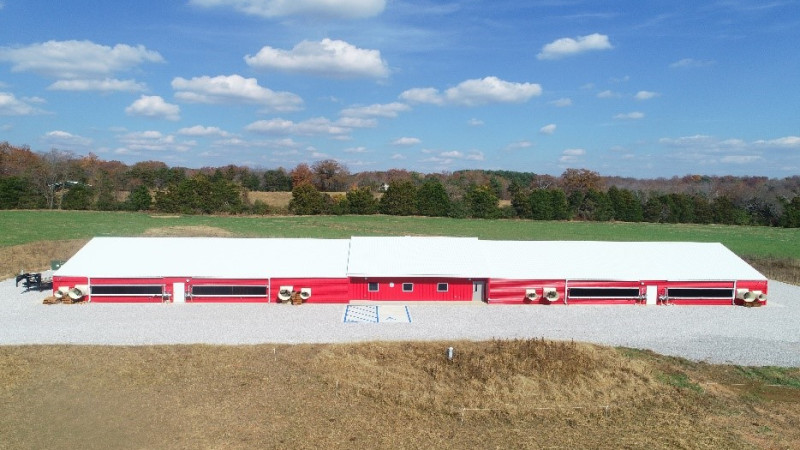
61, 180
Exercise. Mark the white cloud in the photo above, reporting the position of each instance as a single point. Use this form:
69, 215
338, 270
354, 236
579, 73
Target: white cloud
423, 95
76, 59
690, 63
645, 95
519, 145
548, 129
475, 122
347, 9
475, 156
201, 131
319, 126
10, 105
406, 141
740, 159
104, 85
607, 94
155, 107
398, 156
562, 102
60, 138
356, 150
476, 92
357, 122
150, 141
328, 57
389, 110
784, 142
635, 115
233, 89
452, 154
571, 155
569, 46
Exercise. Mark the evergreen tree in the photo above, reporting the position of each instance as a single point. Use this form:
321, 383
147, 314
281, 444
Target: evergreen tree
306, 200
139, 199
482, 202
79, 196
560, 206
399, 199
432, 199
541, 204
361, 201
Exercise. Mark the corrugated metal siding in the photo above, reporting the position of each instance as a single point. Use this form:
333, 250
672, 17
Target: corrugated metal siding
323, 290
425, 289
513, 291
126, 282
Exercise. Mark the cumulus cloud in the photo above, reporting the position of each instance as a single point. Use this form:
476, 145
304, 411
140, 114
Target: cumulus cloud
356, 150
155, 107
66, 140
548, 129
645, 95
233, 89
635, 115
104, 85
475, 92
569, 46
406, 141
562, 102
741, 159
76, 59
10, 105
346, 9
318, 126
201, 131
328, 57
607, 94
357, 122
388, 110
784, 142
475, 122
709, 150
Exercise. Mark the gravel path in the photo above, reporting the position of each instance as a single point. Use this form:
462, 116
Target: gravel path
718, 334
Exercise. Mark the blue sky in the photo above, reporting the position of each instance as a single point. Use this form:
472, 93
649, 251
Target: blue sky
631, 88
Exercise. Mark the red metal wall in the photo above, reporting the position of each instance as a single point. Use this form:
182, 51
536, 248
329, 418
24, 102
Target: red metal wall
424, 289
323, 290
192, 282
506, 291
126, 299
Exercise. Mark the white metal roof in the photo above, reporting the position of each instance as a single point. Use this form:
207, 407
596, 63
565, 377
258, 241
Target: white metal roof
456, 257
415, 256
591, 260
209, 257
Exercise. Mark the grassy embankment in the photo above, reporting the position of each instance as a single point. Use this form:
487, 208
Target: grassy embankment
774, 251
501, 394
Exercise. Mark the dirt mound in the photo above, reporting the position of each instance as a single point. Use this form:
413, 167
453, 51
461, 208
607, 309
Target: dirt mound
188, 231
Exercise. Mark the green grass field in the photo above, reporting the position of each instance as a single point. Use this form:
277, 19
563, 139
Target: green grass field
21, 227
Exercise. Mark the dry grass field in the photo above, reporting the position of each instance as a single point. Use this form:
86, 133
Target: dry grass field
499, 394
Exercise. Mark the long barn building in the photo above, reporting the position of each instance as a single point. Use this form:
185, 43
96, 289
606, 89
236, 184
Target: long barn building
454, 269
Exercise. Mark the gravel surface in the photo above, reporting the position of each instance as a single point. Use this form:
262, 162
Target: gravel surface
719, 334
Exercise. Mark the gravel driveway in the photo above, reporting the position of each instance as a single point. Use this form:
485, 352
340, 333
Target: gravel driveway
720, 334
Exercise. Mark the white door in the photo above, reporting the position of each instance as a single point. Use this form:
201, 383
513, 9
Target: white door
178, 292
477, 290
651, 295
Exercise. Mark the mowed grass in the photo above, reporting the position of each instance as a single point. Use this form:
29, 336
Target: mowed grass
498, 394
21, 227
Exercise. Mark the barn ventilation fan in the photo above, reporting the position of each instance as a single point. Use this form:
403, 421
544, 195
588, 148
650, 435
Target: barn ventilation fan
78, 292
746, 295
550, 293
61, 292
531, 294
305, 293
285, 293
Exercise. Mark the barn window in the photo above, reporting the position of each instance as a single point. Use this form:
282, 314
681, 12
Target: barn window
442, 287
408, 287
372, 287
127, 290
229, 291
699, 293
596, 292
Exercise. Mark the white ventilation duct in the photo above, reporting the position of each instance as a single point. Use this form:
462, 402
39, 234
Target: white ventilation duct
531, 294
760, 296
305, 293
61, 292
745, 294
